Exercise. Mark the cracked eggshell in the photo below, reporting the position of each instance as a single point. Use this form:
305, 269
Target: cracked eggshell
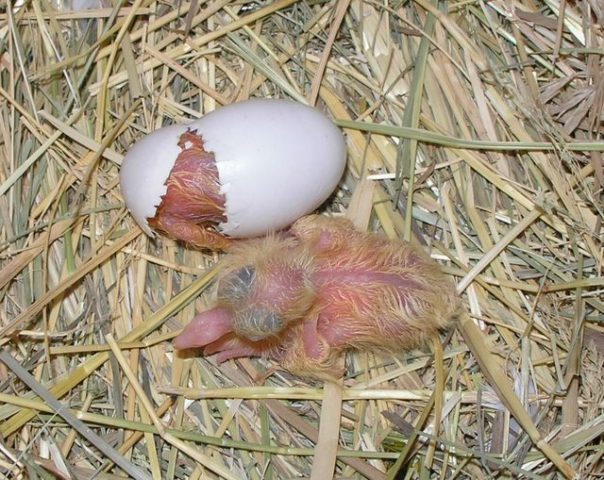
277, 160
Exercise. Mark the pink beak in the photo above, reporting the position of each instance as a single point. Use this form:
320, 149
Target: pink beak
205, 328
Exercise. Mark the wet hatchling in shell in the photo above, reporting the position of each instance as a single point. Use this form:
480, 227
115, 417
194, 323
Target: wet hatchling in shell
241, 171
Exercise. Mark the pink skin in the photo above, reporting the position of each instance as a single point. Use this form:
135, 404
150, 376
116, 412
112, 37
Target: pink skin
304, 296
192, 205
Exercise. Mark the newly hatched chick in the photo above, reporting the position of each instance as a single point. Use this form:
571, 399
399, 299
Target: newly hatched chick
304, 296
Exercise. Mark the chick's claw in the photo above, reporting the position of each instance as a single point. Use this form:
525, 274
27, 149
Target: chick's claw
303, 297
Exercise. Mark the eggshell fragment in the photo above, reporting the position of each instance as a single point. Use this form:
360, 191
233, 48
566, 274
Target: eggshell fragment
277, 160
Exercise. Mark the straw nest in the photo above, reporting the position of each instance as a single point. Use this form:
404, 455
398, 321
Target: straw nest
479, 122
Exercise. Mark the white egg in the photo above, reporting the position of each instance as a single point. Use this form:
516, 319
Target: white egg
277, 160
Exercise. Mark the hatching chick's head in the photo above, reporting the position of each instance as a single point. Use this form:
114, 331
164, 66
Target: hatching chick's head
263, 289
266, 294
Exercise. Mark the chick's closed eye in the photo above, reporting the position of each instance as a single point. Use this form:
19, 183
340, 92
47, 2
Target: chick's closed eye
237, 286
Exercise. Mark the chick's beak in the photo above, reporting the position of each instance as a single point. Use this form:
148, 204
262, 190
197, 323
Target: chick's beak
204, 329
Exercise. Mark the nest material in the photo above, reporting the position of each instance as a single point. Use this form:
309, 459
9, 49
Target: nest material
473, 126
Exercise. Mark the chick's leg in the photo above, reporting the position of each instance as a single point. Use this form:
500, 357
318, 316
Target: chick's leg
314, 346
321, 233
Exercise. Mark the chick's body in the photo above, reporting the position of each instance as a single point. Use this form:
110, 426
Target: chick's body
324, 287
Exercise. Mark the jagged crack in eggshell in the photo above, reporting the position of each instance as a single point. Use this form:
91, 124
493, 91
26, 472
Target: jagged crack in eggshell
145, 169
277, 160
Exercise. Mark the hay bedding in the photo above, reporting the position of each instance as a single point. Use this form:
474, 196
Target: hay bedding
477, 123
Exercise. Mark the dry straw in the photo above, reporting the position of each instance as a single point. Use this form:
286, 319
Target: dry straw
475, 126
